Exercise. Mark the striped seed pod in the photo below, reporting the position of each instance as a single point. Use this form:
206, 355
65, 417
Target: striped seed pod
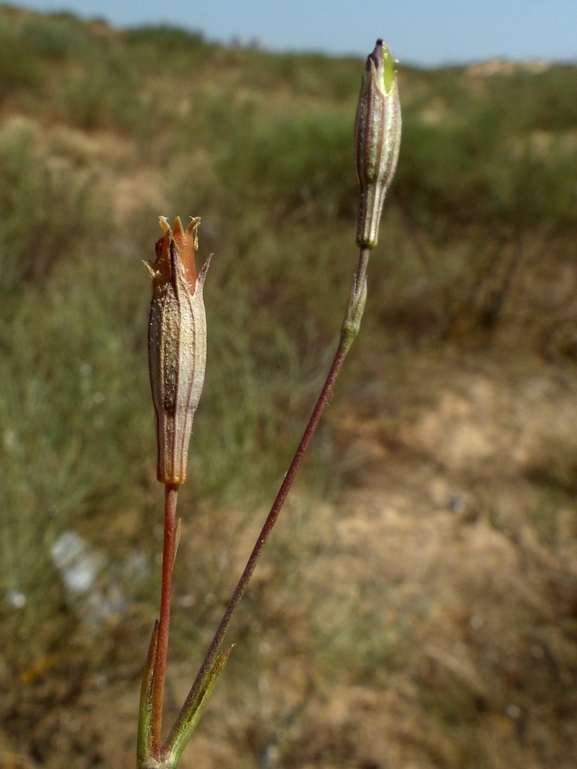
377, 141
176, 345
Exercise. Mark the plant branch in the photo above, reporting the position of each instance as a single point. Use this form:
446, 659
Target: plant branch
169, 552
348, 333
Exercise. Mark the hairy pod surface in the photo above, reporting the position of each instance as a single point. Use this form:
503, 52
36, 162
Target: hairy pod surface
176, 345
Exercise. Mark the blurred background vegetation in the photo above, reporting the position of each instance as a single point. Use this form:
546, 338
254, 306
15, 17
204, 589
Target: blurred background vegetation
103, 130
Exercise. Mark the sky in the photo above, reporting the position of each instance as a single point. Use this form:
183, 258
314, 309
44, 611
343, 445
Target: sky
423, 32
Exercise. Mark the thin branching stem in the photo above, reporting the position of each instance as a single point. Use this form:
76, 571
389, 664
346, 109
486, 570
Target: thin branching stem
343, 348
168, 554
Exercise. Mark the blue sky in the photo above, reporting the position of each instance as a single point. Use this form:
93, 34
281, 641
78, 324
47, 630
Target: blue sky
428, 32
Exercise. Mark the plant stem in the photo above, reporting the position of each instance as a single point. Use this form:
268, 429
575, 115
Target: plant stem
361, 273
170, 527
342, 350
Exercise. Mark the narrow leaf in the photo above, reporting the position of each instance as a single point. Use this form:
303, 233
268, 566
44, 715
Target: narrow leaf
188, 721
145, 708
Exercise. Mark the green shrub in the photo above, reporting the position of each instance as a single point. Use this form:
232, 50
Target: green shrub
301, 161
44, 208
17, 68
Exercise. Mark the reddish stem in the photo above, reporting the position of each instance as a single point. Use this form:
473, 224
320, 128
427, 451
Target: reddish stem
170, 498
213, 651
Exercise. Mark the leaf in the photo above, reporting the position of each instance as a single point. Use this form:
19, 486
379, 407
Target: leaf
191, 714
144, 740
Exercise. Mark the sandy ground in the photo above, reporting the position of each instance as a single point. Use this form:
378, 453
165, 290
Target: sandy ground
425, 617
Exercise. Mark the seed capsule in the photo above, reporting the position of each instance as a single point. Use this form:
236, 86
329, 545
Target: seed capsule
377, 141
176, 345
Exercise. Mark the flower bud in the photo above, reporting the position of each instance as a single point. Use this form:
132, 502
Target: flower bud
377, 140
176, 345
